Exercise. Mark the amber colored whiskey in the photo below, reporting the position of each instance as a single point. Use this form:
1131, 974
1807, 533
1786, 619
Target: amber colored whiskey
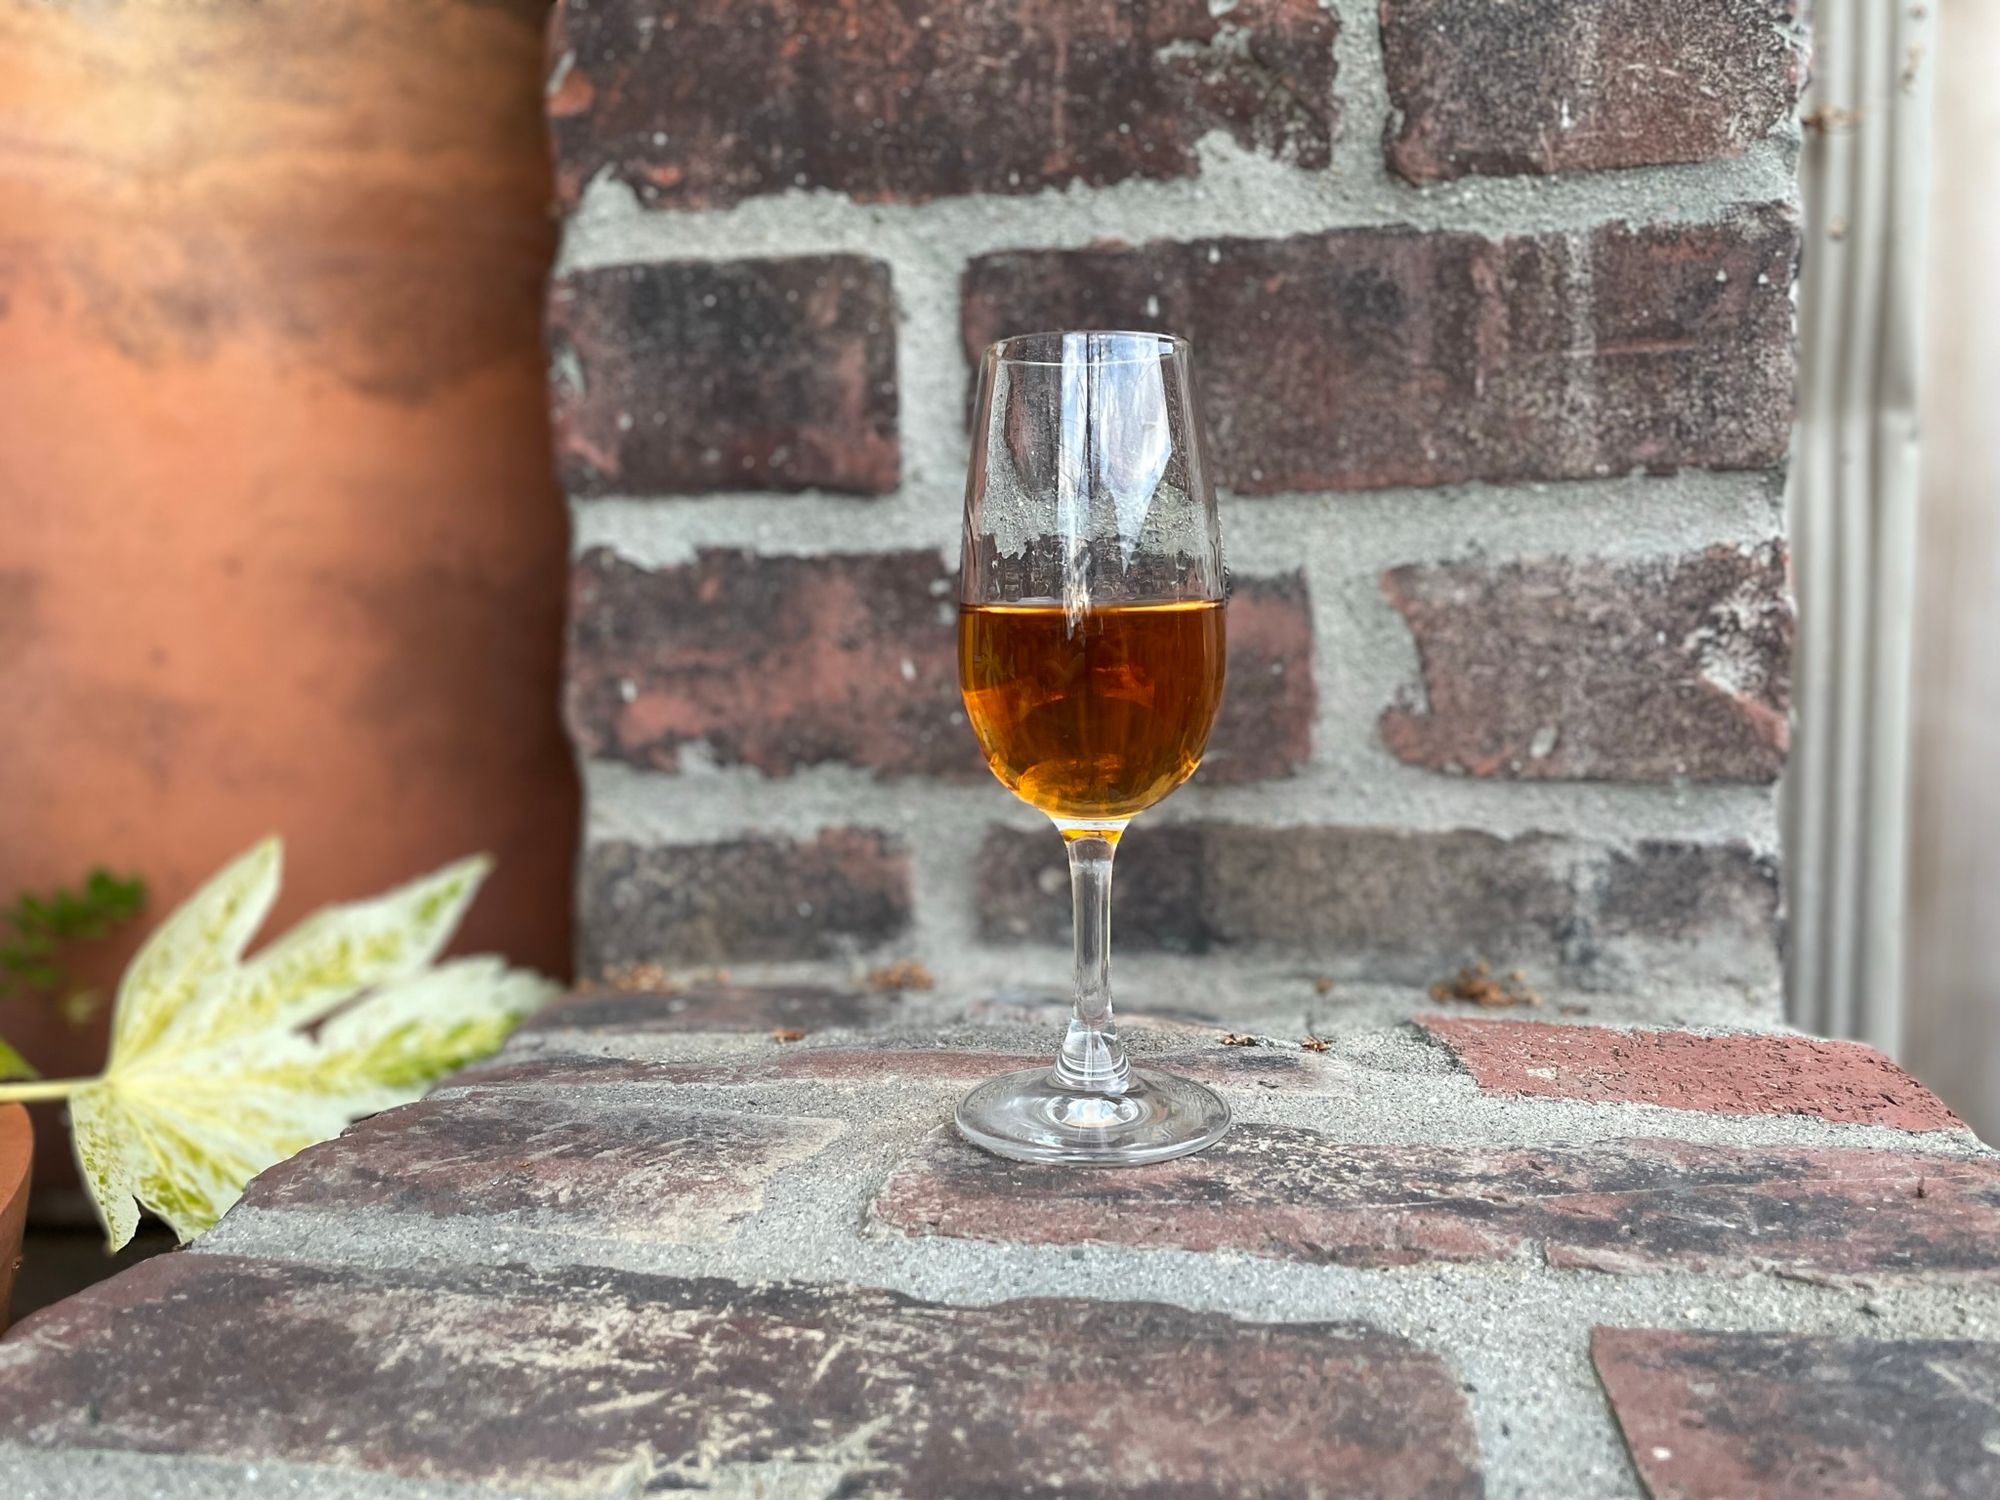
1099, 720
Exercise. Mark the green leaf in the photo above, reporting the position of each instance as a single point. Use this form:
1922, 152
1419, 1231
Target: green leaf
38, 928
215, 1078
12, 1064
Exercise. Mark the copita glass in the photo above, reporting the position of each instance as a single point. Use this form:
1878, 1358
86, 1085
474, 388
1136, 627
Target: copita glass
1090, 654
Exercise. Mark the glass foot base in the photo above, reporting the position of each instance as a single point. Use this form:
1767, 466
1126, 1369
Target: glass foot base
1029, 1117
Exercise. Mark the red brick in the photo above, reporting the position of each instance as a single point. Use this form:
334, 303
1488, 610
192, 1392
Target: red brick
704, 103
1844, 1082
691, 376
1369, 357
713, 1007
598, 1381
1772, 1416
609, 1168
897, 1060
1578, 85
771, 662
1629, 1206
1579, 669
746, 900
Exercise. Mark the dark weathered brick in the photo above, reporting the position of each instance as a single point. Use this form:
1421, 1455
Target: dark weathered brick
1574, 85
1772, 1416
743, 901
1370, 357
735, 375
1694, 912
1344, 360
772, 662
1737, 1075
713, 1007
1390, 904
1705, 895
702, 104
1265, 726
897, 1059
1579, 669
596, 1381
783, 662
1378, 902
571, 1159
1631, 1206
1692, 353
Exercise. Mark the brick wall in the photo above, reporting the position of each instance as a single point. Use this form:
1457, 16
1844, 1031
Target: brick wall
1492, 307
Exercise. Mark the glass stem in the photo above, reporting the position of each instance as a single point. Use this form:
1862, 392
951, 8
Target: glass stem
1091, 1061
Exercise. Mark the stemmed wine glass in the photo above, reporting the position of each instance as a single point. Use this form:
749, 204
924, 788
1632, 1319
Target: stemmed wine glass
1090, 654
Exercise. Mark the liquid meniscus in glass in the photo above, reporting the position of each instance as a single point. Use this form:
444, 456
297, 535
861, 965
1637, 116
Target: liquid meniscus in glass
1099, 721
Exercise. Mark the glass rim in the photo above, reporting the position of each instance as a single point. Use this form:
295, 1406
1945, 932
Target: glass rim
1166, 345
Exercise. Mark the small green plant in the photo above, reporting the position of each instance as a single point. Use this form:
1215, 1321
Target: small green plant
37, 932
222, 1065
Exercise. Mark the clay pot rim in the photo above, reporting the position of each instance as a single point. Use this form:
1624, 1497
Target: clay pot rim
17, 1158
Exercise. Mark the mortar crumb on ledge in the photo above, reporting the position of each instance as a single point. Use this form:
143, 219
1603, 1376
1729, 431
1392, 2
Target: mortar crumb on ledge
1476, 985
904, 974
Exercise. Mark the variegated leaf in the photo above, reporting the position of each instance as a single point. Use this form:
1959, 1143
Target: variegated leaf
220, 1081
100, 1160
389, 1048
328, 959
204, 937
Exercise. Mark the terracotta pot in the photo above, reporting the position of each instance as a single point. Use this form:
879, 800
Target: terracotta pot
283, 551
17, 1151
